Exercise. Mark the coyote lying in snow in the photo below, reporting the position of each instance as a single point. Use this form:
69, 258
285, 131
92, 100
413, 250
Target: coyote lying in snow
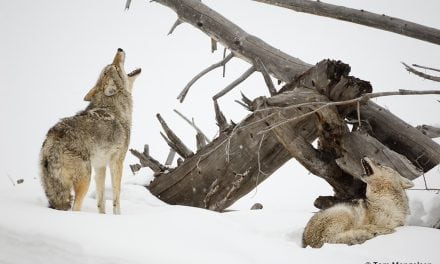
96, 137
385, 208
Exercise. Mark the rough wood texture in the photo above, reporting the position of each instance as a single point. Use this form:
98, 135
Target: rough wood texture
362, 17
400, 136
429, 131
147, 161
173, 140
371, 147
242, 157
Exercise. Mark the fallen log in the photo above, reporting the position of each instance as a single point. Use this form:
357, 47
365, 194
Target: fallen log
242, 157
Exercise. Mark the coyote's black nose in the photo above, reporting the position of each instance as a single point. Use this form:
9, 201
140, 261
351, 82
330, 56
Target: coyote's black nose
120, 50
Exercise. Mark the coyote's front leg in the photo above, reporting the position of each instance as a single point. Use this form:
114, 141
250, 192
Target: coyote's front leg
100, 189
116, 172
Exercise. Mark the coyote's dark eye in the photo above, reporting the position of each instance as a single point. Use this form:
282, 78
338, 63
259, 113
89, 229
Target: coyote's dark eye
367, 168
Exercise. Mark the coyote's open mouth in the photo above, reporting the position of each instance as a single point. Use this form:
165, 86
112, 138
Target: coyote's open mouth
134, 73
368, 170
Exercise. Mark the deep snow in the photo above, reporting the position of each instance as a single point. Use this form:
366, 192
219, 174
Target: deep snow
150, 231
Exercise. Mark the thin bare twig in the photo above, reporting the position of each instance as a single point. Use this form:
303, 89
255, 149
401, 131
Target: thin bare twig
176, 24
360, 99
426, 68
242, 104
239, 80
193, 124
261, 68
220, 118
421, 74
246, 100
213, 45
10, 178
224, 66
185, 90
259, 165
173, 140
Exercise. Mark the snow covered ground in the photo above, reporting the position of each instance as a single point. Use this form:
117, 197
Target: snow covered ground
150, 231
52, 53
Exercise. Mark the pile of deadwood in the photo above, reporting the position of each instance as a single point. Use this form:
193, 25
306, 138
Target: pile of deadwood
318, 102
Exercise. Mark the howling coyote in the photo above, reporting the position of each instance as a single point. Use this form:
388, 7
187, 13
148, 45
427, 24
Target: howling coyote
385, 208
96, 137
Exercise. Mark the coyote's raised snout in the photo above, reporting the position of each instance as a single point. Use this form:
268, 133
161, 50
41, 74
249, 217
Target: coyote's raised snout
94, 138
384, 208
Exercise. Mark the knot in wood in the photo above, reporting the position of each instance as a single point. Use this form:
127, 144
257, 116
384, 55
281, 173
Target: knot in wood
237, 41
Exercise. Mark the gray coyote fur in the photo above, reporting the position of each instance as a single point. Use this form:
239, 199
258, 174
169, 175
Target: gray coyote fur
94, 138
385, 207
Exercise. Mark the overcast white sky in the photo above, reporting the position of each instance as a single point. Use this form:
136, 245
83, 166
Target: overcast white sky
53, 51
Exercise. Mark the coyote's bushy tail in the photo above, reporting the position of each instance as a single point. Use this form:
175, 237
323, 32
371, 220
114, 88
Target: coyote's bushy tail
57, 190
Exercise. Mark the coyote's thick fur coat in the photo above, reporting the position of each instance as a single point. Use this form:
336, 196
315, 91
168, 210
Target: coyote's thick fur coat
385, 207
94, 138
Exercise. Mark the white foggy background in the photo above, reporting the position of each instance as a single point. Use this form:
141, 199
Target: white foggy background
53, 51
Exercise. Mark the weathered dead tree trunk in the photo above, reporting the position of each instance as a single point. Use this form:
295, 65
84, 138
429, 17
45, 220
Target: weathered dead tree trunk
430, 131
284, 125
400, 137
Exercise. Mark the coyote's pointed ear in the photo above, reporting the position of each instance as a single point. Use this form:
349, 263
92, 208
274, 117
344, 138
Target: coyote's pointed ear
90, 94
405, 183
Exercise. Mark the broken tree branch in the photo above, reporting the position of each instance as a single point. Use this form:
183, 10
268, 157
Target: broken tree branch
148, 161
220, 118
170, 157
239, 80
430, 131
213, 45
175, 25
185, 90
135, 168
174, 141
200, 140
261, 68
421, 74
362, 17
